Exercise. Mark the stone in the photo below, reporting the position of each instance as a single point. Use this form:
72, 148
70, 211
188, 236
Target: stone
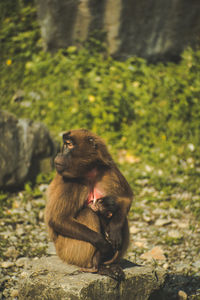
196, 264
7, 264
142, 243
20, 231
18, 96
175, 234
151, 29
156, 253
50, 278
166, 266
21, 261
162, 222
11, 252
134, 229
23, 144
181, 267
51, 249
182, 295
183, 225
14, 293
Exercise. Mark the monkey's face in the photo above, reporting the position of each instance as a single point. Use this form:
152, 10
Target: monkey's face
101, 207
81, 152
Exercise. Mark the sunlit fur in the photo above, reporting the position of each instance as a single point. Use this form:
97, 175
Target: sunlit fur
67, 198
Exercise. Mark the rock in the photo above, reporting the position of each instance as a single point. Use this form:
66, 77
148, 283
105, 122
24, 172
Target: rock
43, 187
182, 295
162, 222
11, 252
158, 211
175, 234
49, 278
14, 293
7, 264
18, 96
134, 229
41, 215
148, 218
51, 249
24, 144
21, 261
13, 239
156, 253
151, 29
196, 264
181, 267
183, 225
20, 231
142, 243
125, 156
166, 266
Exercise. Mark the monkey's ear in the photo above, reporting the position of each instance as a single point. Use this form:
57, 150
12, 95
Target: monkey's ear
66, 135
91, 140
104, 155
109, 215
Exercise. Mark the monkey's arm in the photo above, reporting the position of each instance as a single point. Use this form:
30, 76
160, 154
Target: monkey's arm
114, 184
116, 223
71, 228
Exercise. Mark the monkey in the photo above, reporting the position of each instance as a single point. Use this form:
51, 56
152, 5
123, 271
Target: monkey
84, 167
105, 207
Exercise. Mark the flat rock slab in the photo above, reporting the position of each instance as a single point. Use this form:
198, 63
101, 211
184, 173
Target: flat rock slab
50, 278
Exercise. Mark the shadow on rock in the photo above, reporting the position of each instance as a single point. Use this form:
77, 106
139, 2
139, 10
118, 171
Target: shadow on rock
179, 287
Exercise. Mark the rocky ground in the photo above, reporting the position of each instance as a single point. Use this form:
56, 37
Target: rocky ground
171, 239
167, 237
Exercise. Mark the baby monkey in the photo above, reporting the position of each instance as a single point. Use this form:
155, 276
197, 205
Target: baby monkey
105, 208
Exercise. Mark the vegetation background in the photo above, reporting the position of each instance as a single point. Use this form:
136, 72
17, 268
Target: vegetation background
150, 114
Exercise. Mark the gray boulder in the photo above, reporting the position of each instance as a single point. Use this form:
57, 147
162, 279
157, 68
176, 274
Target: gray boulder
49, 278
154, 29
23, 146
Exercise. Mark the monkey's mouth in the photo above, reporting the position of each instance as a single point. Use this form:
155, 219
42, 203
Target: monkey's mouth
59, 167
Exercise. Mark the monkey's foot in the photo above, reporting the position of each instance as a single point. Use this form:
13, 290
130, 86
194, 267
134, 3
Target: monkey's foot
89, 270
114, 271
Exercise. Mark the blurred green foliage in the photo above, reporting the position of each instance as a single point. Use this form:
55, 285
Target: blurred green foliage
152, 111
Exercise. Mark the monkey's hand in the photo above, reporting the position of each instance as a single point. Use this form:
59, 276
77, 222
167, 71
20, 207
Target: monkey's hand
115, 237
106, 249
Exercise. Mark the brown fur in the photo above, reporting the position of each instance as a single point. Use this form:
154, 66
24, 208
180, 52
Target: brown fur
77, 252
74, 228
106, 208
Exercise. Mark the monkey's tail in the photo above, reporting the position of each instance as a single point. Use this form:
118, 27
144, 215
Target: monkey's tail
113, 259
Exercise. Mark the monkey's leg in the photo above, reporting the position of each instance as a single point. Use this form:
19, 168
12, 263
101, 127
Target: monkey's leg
95, 263
114, 271
125, 238
77, 252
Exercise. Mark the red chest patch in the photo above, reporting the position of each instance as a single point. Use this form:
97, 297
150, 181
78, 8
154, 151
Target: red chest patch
94, 195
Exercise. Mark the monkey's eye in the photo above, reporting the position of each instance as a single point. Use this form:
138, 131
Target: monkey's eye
90, 139
68, 144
